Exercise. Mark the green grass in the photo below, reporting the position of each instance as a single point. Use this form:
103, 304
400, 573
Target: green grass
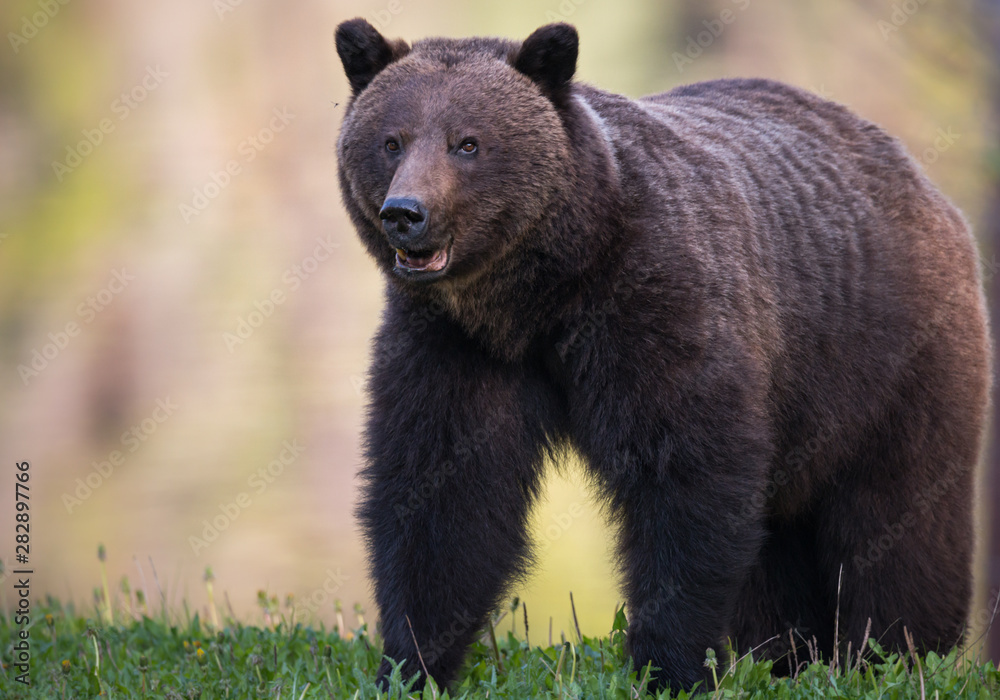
78, 657
132, 652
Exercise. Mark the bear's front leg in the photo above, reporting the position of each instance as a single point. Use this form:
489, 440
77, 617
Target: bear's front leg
683, 470
453, 445
682, 570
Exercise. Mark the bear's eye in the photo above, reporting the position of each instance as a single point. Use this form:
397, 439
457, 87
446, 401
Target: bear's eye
392, 145
468, 146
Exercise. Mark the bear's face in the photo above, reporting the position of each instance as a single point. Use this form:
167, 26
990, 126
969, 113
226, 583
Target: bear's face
450, 151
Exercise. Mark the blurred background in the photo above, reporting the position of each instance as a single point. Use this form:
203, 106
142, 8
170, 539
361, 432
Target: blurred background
186, 314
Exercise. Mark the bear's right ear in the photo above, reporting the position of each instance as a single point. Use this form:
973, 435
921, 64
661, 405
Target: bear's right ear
364, 52
548, 57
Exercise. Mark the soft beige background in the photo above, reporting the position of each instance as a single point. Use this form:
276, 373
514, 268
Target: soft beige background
217, 73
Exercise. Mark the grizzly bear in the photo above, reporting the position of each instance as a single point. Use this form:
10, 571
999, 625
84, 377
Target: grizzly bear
747, 310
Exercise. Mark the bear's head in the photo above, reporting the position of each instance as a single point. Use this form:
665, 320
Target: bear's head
451, 151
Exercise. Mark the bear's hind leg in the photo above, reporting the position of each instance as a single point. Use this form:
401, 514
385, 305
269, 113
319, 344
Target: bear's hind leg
784, 600
899, 521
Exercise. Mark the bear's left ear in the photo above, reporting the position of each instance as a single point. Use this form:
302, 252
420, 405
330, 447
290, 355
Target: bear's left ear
364, 52
548, 57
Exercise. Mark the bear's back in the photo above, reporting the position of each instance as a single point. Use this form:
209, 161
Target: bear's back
811, 181
785, 197
814, 237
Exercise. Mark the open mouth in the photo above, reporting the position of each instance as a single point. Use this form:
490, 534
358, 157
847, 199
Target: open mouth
422, 261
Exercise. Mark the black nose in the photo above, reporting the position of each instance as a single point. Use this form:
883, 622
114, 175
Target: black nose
403, 217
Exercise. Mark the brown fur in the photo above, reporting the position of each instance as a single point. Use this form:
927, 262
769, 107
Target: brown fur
747, 308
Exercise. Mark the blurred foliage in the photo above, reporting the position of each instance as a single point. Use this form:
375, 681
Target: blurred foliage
299, 373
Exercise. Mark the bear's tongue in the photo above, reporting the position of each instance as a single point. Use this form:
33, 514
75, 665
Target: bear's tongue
430, 262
